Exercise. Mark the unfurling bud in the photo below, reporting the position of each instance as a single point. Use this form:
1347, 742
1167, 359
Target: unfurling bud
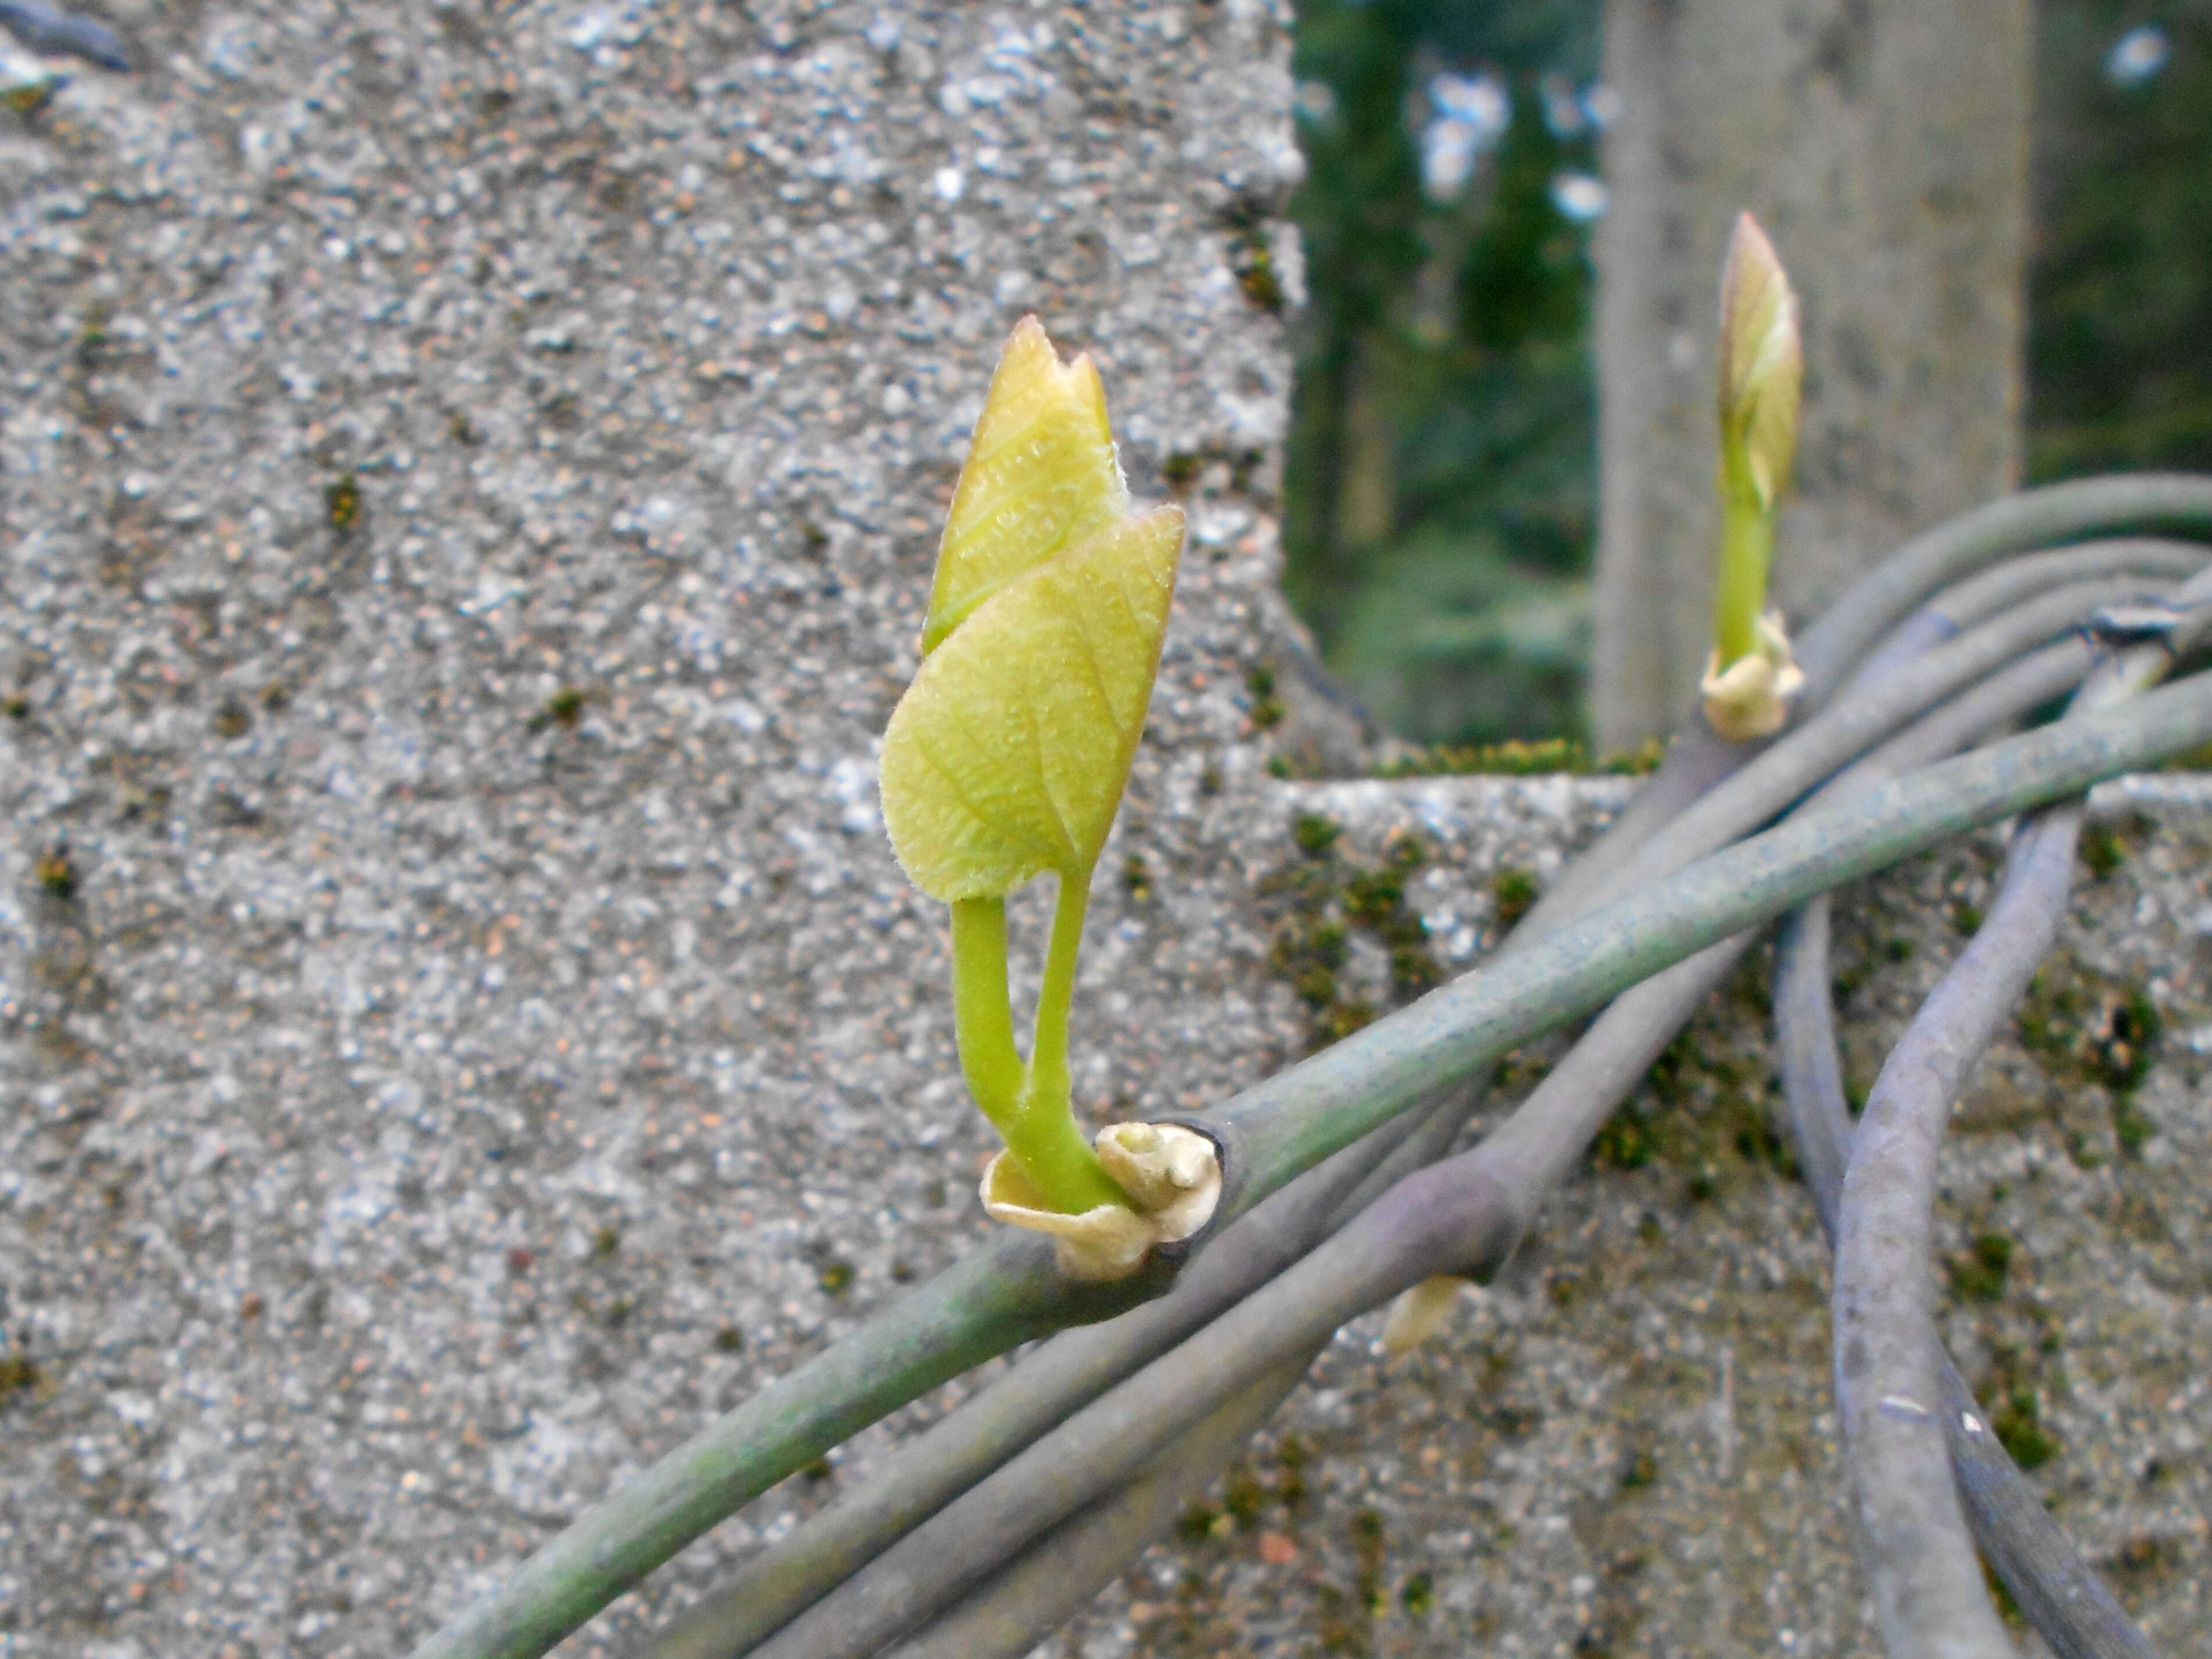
1750, 678
1762, 367
1005, 760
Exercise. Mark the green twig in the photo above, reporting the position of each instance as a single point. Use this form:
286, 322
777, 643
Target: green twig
1787, 770
1060, 1376
1600, 1069
1055, 1578
1008, 1294
1525, 1157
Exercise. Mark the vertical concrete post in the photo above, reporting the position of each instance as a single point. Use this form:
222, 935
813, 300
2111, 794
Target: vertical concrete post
1884, 145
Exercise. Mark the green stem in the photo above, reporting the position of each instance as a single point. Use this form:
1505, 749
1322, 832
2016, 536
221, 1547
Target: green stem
1059, 1160
1028, 1105
1048, 1038
983, 1019
1746, 543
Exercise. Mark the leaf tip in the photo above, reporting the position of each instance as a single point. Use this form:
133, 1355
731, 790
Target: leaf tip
1762, 364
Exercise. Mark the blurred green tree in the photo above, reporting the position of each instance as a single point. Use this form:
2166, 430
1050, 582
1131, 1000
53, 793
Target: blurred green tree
1442, 470
2120, 288
1442, 475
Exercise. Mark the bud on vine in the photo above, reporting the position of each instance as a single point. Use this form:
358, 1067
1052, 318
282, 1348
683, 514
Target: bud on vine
1750, 678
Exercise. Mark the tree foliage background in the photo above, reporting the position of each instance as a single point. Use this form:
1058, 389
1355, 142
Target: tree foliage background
1442, 517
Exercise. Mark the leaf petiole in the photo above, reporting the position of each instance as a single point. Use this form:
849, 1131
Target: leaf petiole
1028, 1105
1747, 545
983, 1018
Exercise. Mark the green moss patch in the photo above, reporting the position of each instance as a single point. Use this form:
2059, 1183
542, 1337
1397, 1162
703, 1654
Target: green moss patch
1324, 900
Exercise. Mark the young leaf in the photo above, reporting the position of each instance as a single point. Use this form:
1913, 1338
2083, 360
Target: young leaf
1040, 477
1008, 756
1762, 364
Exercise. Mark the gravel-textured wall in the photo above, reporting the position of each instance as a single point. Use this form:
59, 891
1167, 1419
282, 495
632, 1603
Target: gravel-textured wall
468, 478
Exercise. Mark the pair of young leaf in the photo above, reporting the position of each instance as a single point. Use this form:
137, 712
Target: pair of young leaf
1008, 756
1005, 760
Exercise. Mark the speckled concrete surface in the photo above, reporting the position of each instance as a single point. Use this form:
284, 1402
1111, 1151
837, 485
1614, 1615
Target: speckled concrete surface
468, 478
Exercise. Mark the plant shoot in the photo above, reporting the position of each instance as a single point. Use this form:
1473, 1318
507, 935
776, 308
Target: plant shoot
1005, 760
1750, 678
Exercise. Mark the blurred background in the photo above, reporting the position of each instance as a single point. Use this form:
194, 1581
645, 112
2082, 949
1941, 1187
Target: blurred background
1441, 524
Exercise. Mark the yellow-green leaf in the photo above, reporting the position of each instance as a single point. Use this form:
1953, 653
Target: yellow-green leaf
1040, 477
1007, 755
1762, 364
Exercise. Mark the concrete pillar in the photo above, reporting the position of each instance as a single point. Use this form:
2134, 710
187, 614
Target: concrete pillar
1884, 145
